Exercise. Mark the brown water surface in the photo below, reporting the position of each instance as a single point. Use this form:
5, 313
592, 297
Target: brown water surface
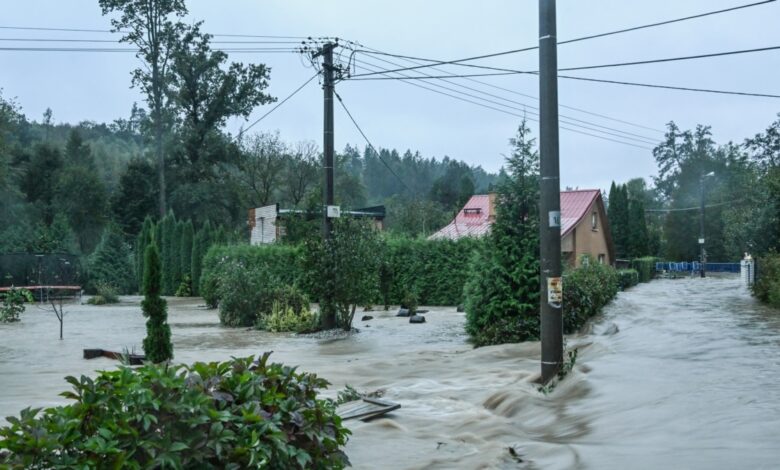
689, 381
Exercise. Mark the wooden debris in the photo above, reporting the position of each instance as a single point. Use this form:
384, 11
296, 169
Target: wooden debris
366, 409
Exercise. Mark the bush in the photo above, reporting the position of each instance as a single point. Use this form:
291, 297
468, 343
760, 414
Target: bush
185, 288
283, 318
245, 292
767, 286
410, 302
627, 278
236, 414
13, 304
112, 263
645, 267
282, 262
106, 294
586, 290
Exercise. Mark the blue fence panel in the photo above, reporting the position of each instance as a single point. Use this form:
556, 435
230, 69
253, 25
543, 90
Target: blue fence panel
694, 266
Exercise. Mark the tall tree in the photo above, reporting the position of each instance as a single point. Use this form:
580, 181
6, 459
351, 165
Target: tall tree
206, 91
111, 263
502, 296
300, 172
135, 198
147, 25
261, 166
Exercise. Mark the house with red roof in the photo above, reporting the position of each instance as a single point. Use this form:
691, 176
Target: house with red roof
584, 224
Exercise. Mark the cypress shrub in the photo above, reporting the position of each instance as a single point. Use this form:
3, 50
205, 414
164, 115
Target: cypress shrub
185, 250
157, 344
166, 254
145, 237
196, 259
112, 262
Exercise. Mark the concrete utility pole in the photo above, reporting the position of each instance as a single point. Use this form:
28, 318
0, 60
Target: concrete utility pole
551, 298
326, 305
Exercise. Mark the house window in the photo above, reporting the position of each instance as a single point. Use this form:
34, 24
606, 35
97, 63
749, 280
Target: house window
472, 211
602, 258
594, 221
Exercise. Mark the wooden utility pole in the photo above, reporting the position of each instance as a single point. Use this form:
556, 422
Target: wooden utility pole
551, 298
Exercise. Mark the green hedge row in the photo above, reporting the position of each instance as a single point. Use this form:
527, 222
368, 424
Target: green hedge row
645, 267
627, 278
433, 270
767, 286
586, 291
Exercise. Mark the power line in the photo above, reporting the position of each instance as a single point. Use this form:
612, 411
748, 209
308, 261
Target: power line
82, 30
120, 49
564, 119
515, 92
505, 72
696, 207
379, 156
277, 105
522, 116
583, 38
114, 41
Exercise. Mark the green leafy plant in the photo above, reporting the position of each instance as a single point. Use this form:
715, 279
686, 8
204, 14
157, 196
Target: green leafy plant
13, 304
245, 292
627, 278
586, 290
645, 267
185, 288
410, 302
242, 413
283, 318
106, 294
344, 269
767, 285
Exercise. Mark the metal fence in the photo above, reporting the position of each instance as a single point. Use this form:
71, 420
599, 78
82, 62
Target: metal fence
695, 266
39, 269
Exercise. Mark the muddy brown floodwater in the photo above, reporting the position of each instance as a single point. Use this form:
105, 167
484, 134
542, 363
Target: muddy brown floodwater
690, 380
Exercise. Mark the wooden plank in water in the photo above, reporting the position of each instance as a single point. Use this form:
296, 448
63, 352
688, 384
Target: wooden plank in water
366, 409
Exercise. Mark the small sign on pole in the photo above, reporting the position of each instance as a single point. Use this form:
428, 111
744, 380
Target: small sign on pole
701, 241
555, 291
334, 212
554, 219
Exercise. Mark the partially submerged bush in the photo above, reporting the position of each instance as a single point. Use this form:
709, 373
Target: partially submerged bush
410, 302
13, 304
627, 278
242, 291
767, 286
106, 294
283, 318
236, 414
645, 267
185, 288
586, 290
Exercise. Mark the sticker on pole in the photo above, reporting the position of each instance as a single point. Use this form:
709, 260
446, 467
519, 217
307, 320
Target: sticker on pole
554, 291
554, 219
334, 212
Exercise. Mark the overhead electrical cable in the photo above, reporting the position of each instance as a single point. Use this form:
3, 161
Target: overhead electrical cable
583, 38
515, 92
565, 119
83, 30
277, 105
379, 156
511, 113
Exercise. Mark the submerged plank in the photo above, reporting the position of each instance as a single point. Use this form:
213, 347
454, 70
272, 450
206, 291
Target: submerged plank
366, 408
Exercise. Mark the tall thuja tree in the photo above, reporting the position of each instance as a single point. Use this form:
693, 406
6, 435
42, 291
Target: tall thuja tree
169, 262
502, 296
618, 218
157, 344
637, 240
148, 25
144, 239
185, 251
200, 246
176, 252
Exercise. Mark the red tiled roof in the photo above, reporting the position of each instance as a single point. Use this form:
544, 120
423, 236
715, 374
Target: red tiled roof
475, 218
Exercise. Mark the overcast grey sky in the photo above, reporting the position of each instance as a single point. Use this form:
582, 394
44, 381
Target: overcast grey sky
93, 86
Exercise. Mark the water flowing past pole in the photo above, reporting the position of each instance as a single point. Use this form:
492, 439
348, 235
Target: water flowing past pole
551, 298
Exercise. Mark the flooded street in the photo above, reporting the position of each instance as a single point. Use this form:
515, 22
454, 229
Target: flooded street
690, 380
